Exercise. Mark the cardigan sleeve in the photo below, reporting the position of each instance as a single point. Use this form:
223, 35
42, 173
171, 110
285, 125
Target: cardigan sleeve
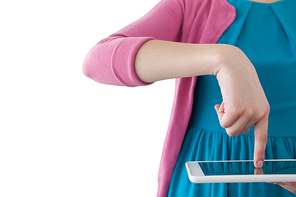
111, 61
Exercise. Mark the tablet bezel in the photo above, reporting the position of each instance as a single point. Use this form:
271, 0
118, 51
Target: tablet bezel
196, 174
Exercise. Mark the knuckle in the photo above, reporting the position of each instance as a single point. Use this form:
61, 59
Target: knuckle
268, 108
231, 135
259, 115
230, 132
224, 124
249, 113
261, 112
236, 111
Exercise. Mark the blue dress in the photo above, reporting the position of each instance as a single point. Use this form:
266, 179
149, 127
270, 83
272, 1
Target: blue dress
266, 33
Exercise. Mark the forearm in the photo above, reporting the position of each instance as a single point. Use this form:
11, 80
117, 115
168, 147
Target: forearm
158, 60
244, 102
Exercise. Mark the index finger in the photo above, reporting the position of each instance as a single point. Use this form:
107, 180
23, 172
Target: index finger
260, 131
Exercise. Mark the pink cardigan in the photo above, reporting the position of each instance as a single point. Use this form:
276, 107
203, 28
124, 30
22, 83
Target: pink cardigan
111, 61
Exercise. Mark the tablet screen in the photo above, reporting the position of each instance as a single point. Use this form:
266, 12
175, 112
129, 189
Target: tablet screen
247, 167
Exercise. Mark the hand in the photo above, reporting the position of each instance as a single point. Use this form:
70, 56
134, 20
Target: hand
290, 186
244, 101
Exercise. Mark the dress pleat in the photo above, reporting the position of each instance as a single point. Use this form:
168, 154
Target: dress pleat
266, 33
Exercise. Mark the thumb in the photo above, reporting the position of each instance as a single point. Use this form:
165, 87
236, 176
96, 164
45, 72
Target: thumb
260, 131
220, 110
217, 107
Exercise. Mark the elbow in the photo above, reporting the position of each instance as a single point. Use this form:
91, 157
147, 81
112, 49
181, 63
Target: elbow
98, 57
90, 64
112, 62
86, 68
97, 65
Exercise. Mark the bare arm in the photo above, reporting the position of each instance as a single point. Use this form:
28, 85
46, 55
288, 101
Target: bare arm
244, 101
158, 60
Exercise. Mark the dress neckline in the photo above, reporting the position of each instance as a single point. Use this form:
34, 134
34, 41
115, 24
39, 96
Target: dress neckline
265, 3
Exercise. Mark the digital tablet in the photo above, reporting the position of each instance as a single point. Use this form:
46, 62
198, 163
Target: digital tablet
279, 170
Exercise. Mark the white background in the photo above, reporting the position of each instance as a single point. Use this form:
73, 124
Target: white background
62, 134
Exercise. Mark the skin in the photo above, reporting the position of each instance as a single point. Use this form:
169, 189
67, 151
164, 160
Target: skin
244, 102
290, 186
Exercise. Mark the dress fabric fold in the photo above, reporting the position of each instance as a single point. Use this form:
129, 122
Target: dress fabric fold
266, 33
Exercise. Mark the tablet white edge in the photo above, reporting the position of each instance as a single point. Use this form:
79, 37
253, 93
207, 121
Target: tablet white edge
201, 178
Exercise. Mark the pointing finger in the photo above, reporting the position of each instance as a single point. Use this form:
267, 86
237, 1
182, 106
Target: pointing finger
260, 131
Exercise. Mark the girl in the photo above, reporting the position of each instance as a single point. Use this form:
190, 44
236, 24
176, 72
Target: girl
244, 55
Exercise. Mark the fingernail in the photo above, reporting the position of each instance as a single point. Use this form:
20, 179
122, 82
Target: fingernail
260, 164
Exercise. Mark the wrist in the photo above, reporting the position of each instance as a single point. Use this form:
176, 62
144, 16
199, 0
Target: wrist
232, 59
224, 57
